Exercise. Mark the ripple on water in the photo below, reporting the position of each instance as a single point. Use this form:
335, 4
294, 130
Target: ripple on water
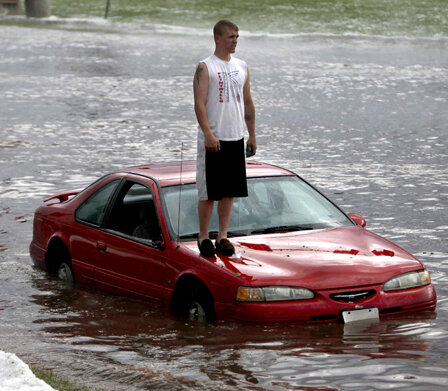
367, 130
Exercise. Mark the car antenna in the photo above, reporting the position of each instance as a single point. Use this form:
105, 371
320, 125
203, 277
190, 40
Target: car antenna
180, 194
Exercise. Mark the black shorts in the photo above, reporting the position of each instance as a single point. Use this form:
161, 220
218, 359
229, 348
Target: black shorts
225, 171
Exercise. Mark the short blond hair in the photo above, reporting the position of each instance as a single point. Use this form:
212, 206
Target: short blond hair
222, 25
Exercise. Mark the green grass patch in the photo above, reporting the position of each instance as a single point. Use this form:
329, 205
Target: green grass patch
57, 382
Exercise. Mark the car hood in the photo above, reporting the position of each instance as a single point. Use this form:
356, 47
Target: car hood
319, 259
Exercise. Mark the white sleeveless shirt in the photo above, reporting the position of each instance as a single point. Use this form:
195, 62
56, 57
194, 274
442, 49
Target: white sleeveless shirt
225, 100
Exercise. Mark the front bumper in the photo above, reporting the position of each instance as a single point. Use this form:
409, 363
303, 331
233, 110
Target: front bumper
325, 309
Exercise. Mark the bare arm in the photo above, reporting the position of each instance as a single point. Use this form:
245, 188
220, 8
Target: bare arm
200, 91
249, 116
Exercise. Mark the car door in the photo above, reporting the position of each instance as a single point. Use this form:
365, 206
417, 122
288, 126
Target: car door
130, 257
86, 232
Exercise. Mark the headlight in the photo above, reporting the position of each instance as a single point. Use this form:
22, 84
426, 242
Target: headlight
273, 293
408, 280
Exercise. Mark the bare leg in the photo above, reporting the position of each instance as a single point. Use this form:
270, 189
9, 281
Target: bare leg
205, 210
224, 214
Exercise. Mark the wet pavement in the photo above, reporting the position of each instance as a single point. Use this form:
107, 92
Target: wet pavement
363, 119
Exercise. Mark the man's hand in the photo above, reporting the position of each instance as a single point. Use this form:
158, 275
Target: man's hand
212, 143
251, 146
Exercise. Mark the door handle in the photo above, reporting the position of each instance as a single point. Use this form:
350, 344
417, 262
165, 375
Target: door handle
101, 246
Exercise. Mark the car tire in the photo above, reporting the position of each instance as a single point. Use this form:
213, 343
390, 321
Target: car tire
195, 303
196, 311
65, 272
59, 263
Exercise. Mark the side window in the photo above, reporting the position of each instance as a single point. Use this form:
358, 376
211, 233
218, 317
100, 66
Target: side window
92, 210
134, 213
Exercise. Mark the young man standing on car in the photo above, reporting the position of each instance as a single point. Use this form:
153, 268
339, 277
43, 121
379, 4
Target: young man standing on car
224, 108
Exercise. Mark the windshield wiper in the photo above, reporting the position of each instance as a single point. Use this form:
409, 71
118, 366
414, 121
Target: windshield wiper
189, 236
268, 230
213, 235
280, 228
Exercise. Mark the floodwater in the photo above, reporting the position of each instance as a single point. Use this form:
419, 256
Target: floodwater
362, 118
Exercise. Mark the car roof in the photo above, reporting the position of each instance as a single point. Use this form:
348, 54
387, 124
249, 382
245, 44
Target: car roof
168, 174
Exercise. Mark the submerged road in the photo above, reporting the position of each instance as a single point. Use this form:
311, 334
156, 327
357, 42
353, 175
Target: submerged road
364, 119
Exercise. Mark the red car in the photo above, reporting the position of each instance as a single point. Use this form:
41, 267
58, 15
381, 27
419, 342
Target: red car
298, 258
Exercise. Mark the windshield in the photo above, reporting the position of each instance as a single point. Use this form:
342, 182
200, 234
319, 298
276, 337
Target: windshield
274, 204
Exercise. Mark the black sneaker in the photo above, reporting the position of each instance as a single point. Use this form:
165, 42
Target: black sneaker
224, 247
206, 248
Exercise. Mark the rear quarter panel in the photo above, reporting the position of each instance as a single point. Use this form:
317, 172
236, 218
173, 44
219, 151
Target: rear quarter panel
50, 222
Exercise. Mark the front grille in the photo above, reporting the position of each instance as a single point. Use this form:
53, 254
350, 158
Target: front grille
352, 297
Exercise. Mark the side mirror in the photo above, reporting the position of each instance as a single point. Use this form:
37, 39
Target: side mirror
358, 219
159, 244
